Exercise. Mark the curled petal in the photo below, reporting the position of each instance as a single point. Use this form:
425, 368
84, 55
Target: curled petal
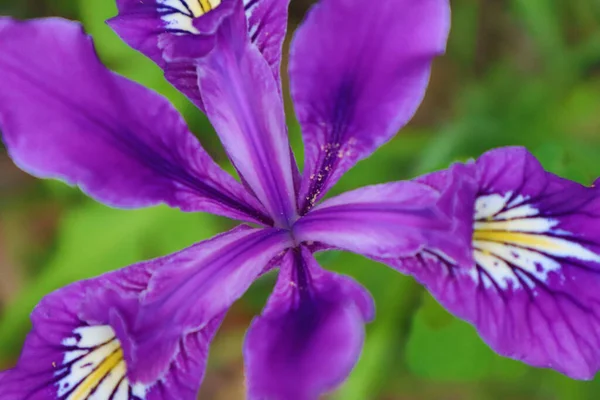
358, 72
173, 33
532, 292
76, 349
243, 103
310, 334
64, 115
392, 220
164, 31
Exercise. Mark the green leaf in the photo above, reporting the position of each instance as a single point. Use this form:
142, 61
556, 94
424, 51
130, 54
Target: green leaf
383, 351
453, 352
542, 19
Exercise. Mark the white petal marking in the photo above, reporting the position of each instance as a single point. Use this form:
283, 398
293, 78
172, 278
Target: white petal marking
517, 245
534, 263
91, 336
489, 205
498, 270
82, 368
109, 383
522, 211
178, 15
94, 368
122, 392
534, 225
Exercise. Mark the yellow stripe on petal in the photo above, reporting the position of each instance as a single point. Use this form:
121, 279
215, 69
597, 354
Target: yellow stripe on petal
533, 225
178, 15
92, 381
547, 244
94, 367
206, 6
514, 244
518, 238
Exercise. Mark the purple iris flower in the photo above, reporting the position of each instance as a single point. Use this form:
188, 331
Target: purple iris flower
499, 241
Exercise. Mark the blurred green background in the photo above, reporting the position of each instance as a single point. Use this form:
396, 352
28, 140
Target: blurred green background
517, 72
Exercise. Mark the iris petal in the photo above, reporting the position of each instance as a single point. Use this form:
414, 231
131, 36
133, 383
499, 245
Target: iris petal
310, 334
358, 72
173, 33
231, 80
244, 105
532, 291
64, 115
194, 287
77, 349
394, 219
164, 31
267, 25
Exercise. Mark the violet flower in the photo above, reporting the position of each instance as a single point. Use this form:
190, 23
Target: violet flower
499, 242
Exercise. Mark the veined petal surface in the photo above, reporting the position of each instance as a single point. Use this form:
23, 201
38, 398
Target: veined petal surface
358, 72
310, 334
64, 115
391, 220
532, 292
77, 349
245, 107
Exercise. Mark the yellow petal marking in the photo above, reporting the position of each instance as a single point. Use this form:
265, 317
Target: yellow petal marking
505, 237
206, 6
538, 242
93, 380
181, 13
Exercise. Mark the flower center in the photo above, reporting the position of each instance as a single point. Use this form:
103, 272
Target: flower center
94, 366
178, 15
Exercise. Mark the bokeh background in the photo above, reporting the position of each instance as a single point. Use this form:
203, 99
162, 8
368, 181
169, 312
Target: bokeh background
521, 72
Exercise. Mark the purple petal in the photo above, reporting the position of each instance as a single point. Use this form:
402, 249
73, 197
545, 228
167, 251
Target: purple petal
76, 346
310, 334
164, 31
173, 33
391, 220
194, 287
357, 75
532, 292
64, 115
243, 103
267, 25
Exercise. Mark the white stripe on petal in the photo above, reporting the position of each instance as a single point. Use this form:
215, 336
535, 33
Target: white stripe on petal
489, 205
91, 336
513, 244
109, 383
122, 392
539, 225
497, 269
522, 211
178, 15
94, 368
